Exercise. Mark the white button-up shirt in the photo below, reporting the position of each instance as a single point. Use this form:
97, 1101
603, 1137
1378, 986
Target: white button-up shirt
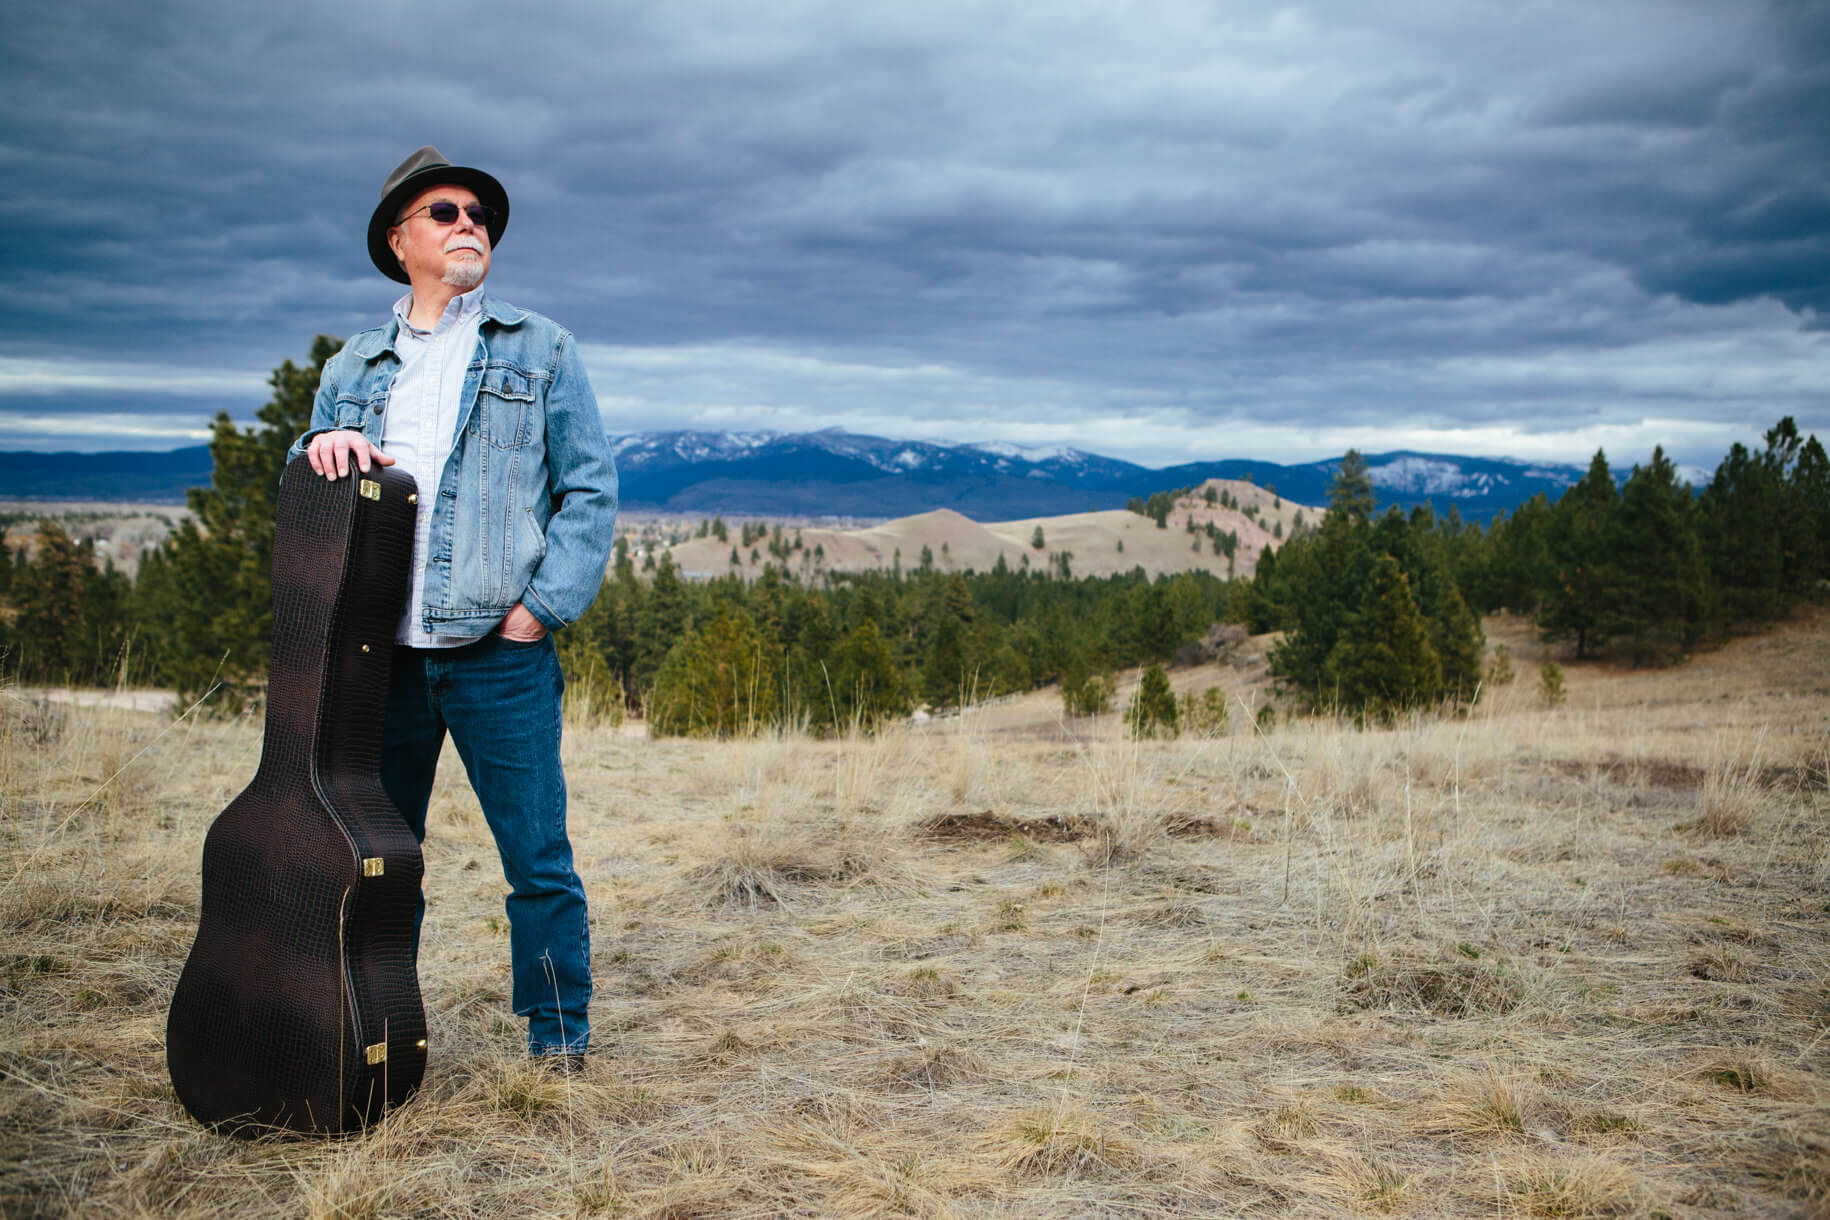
422, 415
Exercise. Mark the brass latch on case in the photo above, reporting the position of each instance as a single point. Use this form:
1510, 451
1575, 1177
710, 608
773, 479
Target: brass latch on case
370, 489
374, 866
377, 1053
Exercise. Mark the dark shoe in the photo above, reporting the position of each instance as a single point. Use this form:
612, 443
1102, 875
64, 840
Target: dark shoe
563, 1064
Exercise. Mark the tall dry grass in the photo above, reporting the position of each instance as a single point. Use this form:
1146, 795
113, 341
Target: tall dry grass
1551, 962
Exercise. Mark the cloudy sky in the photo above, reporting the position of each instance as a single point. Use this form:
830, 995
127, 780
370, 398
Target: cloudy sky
1160, 230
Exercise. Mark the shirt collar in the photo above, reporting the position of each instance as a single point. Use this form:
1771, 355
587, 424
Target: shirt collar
461, 308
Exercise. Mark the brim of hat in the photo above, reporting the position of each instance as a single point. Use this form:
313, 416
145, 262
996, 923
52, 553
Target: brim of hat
488, 191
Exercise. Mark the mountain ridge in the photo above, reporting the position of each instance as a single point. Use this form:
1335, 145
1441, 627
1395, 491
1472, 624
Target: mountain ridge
844, 474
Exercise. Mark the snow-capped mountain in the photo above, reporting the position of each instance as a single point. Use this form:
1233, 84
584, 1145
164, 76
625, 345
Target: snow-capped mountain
846, 474
838, 473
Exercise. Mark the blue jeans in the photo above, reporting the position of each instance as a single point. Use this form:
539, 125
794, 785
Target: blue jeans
500, 701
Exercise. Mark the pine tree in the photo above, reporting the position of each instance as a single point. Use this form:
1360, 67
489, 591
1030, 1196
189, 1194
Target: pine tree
1311, 591
1808, 482
1457, 637
587, 654
1762, 523
1383, 662
1578, 544
1518, 572
1550, 683
54, 616
812, 643
1351, 493
1655, 607
867, 686
717, 682
208, 609
662, 621
948, 669
1150, 629
1499, 670
1743, 532
1153, 711
1083, 691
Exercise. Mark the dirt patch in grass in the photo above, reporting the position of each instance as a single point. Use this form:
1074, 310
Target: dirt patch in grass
1189, 826
987, 825
1455, 989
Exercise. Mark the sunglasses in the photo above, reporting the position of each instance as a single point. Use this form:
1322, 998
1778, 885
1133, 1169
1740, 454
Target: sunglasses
447, 213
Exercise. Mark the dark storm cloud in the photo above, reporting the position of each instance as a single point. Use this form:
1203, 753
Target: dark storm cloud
1153, 228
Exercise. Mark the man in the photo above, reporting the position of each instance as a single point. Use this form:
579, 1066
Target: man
488, 407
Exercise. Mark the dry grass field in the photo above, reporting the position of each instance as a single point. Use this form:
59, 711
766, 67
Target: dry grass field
1560, 962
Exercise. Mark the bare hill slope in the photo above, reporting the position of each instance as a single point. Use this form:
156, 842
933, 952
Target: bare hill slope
1094, 544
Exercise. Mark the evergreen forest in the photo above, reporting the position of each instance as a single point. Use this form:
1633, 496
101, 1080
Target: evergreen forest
1379, 612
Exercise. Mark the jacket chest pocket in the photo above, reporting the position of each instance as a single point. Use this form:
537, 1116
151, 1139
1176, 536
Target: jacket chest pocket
503, 416
356, 411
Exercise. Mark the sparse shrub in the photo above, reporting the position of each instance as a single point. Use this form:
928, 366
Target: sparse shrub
593, 694
1728, 800
1037, 540
525, 1089
1499, 668
1550, 683
1153, 710
1204, 713
1563, 1186
1740, 1075
1266, 720
1055, 1142
1087, 694
38, 722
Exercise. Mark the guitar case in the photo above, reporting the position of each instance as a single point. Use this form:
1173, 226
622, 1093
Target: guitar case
299, 1007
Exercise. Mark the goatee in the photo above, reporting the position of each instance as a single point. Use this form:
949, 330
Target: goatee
464, 273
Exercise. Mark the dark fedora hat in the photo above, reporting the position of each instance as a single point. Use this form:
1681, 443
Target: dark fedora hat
422, 171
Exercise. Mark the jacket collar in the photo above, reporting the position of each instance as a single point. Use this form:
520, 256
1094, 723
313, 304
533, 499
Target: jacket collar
371, 344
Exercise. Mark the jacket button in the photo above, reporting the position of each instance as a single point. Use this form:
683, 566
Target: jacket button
378, 408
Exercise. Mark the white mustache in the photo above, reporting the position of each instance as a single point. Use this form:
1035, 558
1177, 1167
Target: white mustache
463, 243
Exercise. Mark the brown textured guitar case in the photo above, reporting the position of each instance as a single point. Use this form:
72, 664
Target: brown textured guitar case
299, 1007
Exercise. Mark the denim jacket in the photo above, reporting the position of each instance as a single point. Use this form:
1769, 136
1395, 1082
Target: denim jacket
526, 505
